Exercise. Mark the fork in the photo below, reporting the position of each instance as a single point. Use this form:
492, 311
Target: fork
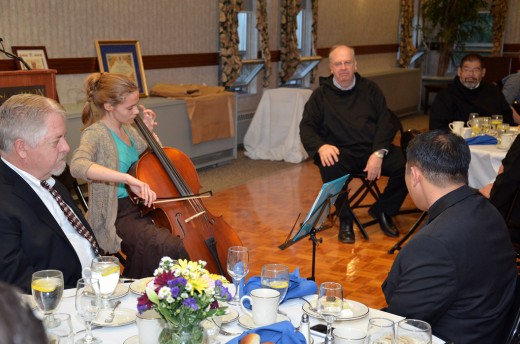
112, 314
226, 333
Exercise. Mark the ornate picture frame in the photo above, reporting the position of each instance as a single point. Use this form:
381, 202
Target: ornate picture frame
123, 57
34, 56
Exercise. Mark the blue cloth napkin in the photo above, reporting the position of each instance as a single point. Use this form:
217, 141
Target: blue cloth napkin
298, 286
279, 333
482, 140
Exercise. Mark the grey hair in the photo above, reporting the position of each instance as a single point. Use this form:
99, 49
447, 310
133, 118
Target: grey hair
23, 116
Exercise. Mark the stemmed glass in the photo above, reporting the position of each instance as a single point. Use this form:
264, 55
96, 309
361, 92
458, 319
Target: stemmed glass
106, 270
330, 305
380, 331
47, 290
414, 331
237, 267
88, 303
276, 276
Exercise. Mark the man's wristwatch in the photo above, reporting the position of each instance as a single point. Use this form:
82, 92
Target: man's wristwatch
380, 153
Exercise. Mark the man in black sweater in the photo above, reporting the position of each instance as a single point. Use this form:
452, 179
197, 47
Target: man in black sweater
468, 94
347, 128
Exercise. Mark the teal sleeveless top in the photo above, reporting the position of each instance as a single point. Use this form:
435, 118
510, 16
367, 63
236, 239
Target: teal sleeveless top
127, 157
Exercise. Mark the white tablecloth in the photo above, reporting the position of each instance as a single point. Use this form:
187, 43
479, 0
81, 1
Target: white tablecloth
485, 161
274, 132
115, 335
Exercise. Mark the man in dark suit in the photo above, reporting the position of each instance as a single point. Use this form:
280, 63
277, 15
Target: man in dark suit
35, 234
458, 273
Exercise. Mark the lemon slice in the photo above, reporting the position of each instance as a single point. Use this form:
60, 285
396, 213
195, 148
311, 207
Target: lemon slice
109, 270
279, 284
44, 285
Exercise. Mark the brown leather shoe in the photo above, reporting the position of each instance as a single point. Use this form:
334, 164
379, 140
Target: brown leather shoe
346, 231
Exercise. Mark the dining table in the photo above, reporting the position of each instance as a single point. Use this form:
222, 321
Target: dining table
484, 164
124, 328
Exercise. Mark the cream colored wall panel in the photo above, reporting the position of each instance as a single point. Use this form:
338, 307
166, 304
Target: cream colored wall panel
512, 33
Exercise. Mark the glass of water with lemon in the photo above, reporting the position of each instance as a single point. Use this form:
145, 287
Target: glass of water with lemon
47, 290
276, 276
106, 270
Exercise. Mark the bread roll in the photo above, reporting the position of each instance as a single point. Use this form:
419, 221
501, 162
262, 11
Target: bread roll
251, 338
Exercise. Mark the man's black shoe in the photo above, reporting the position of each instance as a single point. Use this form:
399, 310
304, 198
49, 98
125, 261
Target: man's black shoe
387, 225
346, 231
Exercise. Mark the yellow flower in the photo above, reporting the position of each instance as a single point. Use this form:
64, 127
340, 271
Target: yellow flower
200, 284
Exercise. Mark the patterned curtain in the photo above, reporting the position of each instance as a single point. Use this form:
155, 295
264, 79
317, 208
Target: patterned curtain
406, 47
314, 34
499, 13
289, 55
261, 26
228, 34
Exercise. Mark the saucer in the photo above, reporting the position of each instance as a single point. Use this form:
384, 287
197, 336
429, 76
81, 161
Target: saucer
138, 287
123, 316
246, 321
230, 316
132, 340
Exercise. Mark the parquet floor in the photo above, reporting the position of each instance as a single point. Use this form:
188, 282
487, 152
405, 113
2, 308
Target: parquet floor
263, 211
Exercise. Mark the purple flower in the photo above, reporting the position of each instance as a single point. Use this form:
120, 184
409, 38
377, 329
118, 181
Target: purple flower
175, 291
143, 304
177, 281
214, 305
191, 303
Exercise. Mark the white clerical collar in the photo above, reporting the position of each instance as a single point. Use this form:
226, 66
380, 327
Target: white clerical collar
344, 88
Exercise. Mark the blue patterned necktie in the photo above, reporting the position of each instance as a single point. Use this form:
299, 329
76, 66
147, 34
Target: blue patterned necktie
73, 219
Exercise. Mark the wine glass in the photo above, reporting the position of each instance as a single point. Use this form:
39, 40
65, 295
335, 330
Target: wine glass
276, 276
330, 305
47, 290
106, 270
414, 331
380, 331
88, 303
237, 267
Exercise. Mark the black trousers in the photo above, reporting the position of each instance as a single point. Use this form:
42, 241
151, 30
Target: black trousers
393, 167
143, 243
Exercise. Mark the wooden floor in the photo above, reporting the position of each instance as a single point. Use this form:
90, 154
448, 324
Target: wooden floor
263, 211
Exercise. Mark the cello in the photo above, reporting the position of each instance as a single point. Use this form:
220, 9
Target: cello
178, 207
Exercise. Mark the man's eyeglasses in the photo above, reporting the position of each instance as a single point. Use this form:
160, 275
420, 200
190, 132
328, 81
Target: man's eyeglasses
471, 70
343, 63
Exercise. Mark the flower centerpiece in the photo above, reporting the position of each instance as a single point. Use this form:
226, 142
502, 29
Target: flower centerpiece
184, 293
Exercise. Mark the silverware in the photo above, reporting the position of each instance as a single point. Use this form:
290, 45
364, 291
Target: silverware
93, 327
112, 314
226, 333
311, 307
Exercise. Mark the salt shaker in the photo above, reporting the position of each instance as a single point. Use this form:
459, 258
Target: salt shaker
305, 328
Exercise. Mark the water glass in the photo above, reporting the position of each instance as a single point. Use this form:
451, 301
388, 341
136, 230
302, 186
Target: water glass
211, 327
62, 333
106, 270
237, 267
414, 331
485, 124
472, 119
380, 331
88, 304
47, 290
276, 276
496, 120
330, 305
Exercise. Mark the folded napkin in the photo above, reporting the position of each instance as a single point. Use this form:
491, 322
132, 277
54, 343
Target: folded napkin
279, 333
482, 140
298, 286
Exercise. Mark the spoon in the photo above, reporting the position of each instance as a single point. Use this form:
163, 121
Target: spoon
112, 314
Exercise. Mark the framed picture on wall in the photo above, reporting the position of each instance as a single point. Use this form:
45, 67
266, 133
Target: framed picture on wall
123, 57
35, 57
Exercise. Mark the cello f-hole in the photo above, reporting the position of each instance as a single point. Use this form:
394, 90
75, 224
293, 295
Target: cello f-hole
179, 223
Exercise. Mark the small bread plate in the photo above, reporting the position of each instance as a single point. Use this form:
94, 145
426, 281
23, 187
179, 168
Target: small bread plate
123, 316
138, 287
132, 340
246, 321
121, 290
351, 310
230, 316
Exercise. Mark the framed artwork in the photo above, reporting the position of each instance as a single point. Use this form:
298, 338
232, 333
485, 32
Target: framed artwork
123, 57
35, 57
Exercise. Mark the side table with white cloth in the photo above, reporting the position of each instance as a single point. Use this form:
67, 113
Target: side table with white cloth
274, 132
484, 164
124, 328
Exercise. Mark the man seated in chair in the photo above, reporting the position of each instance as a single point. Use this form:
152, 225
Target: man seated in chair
35, 233
458, 272
347, 128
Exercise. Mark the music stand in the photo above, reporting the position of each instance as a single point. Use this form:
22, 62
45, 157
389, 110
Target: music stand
315, 220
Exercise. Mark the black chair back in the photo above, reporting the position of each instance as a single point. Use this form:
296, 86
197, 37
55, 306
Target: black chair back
512, 325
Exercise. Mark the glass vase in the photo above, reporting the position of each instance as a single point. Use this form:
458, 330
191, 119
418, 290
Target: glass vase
181, 334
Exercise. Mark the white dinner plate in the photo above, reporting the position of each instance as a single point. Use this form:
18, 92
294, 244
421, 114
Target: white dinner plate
138, 287
123, 316
351, 310
132, 340
230, 316
246, 321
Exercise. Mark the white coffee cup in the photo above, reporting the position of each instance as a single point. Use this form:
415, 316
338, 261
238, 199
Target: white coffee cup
349, 335
456, 126
465, 132
149, 327
264, 302
506, 140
